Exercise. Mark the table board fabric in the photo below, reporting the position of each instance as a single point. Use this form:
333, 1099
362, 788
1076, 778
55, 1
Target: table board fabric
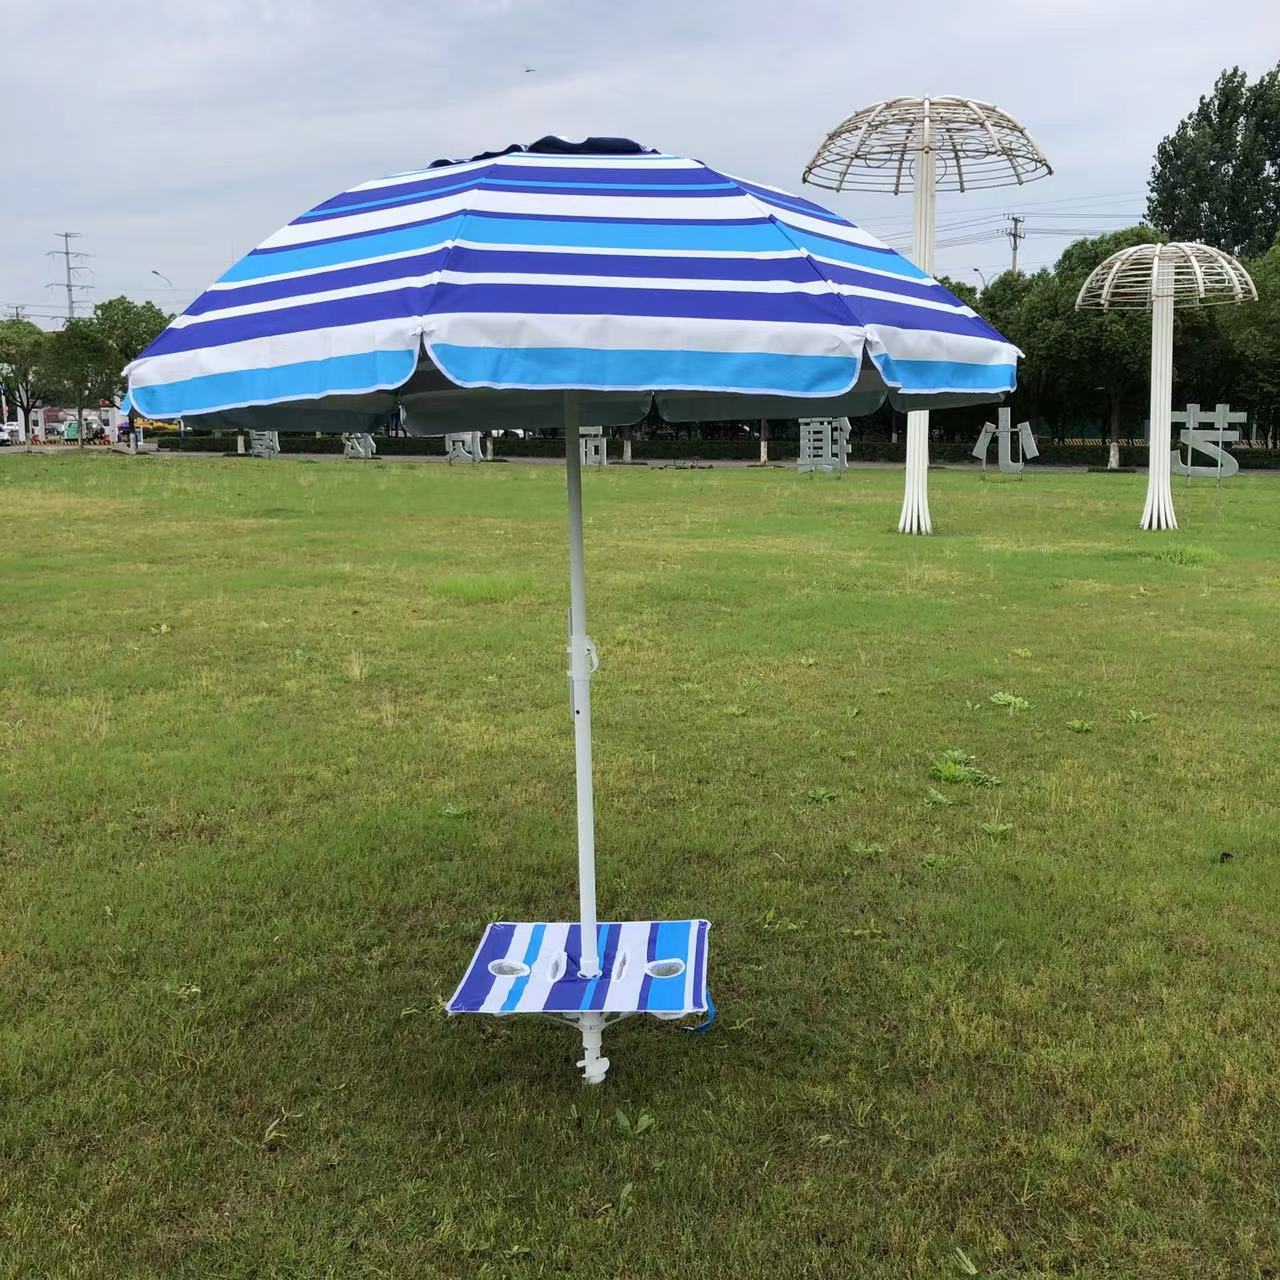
625, 985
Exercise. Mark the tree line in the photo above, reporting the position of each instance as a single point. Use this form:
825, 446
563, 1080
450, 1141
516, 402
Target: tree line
80, 365
1215, 178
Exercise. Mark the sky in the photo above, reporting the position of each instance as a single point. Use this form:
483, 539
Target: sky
176, 136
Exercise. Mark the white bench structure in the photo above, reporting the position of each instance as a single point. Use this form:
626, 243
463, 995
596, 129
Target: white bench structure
462, 446
358, 445
1209, 442
1004, 433
824, 445
593, 448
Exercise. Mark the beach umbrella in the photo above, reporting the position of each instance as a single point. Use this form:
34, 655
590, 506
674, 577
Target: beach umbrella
568, 284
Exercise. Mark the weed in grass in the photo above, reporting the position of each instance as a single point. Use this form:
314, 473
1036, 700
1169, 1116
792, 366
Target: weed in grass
633, 1128
956, 769
1080, 726
935, 861
735, 710
867, 851
1186, 555
807, 661
820, 795
852, 713
1139, 717
778, 923
1011, 701
934, 799
997, 830
455, 810
1019, 653
357, 667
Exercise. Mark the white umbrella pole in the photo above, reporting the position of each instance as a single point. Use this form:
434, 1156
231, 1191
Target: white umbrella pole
915, 502
582, 663
1158, 512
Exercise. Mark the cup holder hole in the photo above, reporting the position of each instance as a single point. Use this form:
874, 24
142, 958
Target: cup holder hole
508, 969
664, 968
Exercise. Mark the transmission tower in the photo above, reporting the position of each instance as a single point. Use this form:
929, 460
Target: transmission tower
72, 263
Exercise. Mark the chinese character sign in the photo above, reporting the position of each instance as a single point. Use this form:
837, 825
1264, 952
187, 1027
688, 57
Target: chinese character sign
824, 445
1209, 440
1004, 433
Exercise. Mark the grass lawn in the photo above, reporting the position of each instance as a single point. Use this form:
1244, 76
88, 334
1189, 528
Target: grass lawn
277, 739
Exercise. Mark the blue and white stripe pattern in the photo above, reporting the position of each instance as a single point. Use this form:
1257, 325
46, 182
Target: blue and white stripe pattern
648, 966
592, 266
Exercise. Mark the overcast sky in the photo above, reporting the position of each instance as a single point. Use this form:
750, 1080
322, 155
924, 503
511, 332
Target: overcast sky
174, 137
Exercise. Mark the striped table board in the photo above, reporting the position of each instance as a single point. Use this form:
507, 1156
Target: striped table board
649, 966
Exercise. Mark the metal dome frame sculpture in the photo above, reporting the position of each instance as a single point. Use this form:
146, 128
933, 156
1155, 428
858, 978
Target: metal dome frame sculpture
925, 145
1160, 277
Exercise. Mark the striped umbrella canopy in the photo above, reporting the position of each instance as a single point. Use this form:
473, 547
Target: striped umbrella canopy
471, 293
566, 283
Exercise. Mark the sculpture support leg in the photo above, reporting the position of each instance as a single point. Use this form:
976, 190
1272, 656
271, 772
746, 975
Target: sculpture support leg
915, 502
1158, 511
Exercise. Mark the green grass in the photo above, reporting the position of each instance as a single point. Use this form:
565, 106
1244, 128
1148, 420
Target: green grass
276, 740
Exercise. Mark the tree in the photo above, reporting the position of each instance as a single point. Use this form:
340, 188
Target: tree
963, 290
130, 327
1106, 351
83, 366
1251, 332
1216, 178
23, 352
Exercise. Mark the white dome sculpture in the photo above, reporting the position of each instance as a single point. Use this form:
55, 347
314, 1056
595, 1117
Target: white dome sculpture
924, 145
1162, 277
974, 144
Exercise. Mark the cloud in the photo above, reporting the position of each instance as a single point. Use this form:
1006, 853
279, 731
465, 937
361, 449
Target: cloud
175, 137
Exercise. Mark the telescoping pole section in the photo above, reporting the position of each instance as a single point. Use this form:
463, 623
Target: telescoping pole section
582, 663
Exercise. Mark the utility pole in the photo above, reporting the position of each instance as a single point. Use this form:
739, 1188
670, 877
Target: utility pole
70, 258
1016, 235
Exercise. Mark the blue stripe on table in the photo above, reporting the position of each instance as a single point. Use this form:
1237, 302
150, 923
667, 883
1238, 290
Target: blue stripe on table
566, 995
609, 954
667, 994
699, 963
479, 981
530, 956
